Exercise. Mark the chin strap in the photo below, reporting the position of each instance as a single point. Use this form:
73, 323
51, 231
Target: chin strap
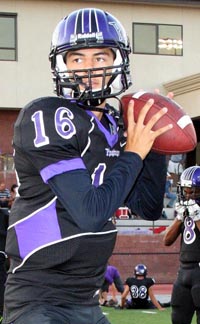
94, 98
107, 110
93, 108
92, 104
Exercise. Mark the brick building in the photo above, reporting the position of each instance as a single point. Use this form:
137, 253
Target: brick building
162, 262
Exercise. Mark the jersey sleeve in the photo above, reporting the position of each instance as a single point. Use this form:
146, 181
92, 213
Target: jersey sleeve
146, 197
128, 282
151, 282
90, 206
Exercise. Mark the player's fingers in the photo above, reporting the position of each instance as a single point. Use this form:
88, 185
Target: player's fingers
156, 90
170, 95
153, 120
162, 130
130, 114
144, 110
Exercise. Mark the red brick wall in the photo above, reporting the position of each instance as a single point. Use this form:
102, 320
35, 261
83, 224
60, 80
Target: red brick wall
162, 262
7, 120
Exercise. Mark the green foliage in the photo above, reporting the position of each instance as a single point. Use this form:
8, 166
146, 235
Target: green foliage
138, 316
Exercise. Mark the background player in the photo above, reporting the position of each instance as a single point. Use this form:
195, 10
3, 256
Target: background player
75, 168
112, 281
141, 291
186, 289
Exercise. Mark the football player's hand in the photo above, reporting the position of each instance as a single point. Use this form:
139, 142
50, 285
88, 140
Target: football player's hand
169, 95
194, 212
140, 137
156, 90
180, 211
162, 309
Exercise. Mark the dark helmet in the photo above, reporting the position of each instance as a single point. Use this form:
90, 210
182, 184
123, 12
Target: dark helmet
188, 188
140, 270
90, 28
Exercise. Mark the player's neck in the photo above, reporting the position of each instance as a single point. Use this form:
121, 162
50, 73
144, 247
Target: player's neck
99, 114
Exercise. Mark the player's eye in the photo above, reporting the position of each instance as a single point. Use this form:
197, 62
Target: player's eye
78, 60
100, 59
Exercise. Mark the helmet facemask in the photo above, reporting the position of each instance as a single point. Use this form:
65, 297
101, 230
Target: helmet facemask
188, 196
78, 83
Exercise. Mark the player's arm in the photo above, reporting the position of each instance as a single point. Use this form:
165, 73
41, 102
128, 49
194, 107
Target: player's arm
89, 206
153, 299
198, 224
146, 197
172, 232
124, 295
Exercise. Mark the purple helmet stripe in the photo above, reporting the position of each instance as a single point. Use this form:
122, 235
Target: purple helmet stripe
76, 22
96, 19
82, 21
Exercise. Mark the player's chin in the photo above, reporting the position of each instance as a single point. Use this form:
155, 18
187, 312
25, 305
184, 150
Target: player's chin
94, 86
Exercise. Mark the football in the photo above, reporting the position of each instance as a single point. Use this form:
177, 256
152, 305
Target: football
181, 138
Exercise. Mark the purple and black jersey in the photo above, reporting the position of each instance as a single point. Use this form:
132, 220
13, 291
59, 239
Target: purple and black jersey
139, 290
190, 242
73, 175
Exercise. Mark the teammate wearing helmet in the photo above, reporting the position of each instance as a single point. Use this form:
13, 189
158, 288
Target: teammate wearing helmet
140, 289
186, 289
75, 168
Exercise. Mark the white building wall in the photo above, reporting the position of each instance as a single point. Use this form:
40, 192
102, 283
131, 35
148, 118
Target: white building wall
30, 76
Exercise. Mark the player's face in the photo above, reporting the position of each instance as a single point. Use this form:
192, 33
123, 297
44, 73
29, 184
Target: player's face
191, 193
91, 58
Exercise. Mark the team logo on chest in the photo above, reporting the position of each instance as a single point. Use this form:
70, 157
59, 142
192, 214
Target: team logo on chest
112, 153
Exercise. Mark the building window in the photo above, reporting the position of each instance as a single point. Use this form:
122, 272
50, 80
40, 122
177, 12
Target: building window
8, 37
157, 39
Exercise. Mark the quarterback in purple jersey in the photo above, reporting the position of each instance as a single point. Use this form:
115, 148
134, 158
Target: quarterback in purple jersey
75, 167
186, 289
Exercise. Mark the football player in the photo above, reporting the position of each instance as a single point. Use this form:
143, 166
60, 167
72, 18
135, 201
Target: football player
112, 281
140, 289
186, 289
75, 168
